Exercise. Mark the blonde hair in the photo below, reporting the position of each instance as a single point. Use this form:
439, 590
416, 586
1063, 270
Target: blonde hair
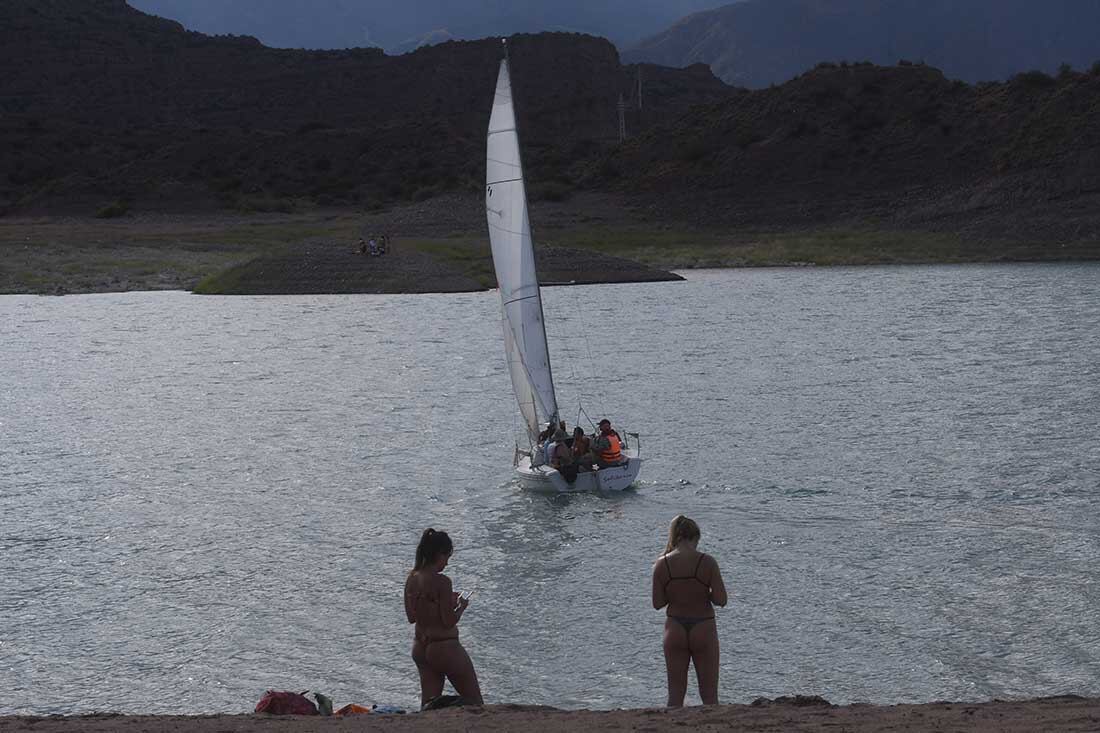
681, 529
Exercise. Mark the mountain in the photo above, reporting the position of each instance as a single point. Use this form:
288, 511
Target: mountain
100, 102
399, 26
902, 145
760, 42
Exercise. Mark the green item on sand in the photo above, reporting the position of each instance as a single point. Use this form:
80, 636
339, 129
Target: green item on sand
324, 703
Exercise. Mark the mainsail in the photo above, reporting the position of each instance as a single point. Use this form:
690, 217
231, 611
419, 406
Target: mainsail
514, 260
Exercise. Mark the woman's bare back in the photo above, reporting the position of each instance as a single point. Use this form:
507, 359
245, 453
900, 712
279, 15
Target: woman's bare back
429, 603
688, 579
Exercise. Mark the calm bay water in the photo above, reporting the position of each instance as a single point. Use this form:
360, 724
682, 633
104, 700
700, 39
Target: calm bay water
898, 469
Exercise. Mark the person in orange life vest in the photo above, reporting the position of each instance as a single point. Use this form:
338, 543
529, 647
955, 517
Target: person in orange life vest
608, 446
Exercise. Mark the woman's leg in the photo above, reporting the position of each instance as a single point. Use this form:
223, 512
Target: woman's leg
450, 658
704, 655
677, 658
431, 681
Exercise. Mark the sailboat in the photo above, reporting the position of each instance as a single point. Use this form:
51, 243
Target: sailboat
525, 344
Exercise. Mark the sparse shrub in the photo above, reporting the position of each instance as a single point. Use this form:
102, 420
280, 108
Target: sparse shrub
693, 150
552, 191
232, 183
423, 193
1034, 78
1095, 70
1065, 72
609, 168
804, 128
113, 210
264, 204
745, 137
312, 126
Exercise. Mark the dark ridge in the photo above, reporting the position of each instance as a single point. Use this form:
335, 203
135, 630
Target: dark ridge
101, 103
903, 145
760, 42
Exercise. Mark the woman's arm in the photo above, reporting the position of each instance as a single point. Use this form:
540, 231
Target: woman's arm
448, 616
717, 586
659, 599
410, 601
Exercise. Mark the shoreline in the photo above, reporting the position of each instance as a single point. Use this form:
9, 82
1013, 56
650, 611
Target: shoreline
440, 245
1061, 714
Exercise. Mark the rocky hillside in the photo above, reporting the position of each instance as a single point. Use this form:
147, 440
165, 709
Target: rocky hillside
760, 42
103, 108
902, 145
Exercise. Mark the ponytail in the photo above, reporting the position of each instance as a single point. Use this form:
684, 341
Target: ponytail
681, 529
432, 545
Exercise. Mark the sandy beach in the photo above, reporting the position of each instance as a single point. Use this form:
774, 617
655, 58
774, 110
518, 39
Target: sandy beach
1064, 713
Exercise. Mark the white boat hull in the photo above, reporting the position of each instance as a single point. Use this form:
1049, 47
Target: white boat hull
545, 478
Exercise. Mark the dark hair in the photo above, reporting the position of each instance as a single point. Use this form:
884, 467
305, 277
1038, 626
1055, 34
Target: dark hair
578, 431
432, 545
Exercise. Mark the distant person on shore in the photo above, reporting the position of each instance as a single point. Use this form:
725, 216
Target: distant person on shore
432, 604
362, 246
608, 446
373, 244
383, 244
690, 584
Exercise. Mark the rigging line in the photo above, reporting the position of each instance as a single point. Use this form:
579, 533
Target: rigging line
503, 180
500, 228
501, 162
503, 129
516, 300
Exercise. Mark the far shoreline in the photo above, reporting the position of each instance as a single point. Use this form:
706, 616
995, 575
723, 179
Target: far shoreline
440, 246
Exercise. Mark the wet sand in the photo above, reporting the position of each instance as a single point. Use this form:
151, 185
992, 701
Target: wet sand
1057, 714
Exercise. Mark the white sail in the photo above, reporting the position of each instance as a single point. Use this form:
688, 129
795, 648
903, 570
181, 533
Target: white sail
514, 260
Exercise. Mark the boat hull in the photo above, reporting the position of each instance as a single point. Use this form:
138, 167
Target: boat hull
545, 478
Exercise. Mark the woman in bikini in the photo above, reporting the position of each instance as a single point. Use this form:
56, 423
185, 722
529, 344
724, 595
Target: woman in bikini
690, 584
432, 604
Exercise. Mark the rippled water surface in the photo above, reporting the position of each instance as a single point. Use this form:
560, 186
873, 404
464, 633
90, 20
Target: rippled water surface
898, 469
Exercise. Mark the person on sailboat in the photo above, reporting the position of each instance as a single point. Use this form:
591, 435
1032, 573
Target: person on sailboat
561, 457
545, 435
689, 583
432, 604
583, 456
608, 446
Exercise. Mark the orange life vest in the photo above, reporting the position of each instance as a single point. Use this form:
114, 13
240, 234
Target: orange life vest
613, 453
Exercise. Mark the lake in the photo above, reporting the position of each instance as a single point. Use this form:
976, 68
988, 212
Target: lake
897, 468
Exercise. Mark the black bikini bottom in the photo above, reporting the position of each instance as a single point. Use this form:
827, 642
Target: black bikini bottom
690, 622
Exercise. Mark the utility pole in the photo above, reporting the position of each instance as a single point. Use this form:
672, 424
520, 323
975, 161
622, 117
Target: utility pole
622, 118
